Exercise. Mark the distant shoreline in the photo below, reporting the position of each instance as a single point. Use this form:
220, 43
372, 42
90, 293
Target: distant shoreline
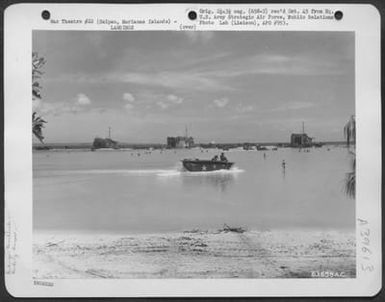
46, 146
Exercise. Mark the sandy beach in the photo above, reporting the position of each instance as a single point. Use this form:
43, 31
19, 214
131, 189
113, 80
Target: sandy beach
196, 254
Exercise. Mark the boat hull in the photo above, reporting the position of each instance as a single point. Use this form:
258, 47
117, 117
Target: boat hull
205, 165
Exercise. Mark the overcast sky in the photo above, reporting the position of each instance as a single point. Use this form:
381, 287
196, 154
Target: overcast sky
225, 86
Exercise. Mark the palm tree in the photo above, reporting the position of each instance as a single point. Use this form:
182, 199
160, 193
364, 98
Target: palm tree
37, 121
37, 127
350, 135
350, 130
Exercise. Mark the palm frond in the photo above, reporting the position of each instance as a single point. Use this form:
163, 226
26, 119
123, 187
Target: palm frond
36, 88
350, 130
37, 121
37, 127
37, 64
350, 184
350, 178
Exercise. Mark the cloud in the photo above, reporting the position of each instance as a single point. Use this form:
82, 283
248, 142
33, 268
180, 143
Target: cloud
293, 106
203, 61
204, 75
243, 109
169, 100
128, 97
163, 105
199, 36
75, 105
181, 80
129, 106
174, 80
82, 99
174, 99
222, 102
275, 64
58, 108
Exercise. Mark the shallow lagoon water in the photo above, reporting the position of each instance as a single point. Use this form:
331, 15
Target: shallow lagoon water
125, 191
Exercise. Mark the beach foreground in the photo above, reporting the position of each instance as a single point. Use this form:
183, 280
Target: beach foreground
196, 254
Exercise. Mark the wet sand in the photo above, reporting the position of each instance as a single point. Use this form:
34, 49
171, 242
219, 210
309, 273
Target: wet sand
196, 254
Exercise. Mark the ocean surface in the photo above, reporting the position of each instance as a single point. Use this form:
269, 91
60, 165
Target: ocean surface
124, 191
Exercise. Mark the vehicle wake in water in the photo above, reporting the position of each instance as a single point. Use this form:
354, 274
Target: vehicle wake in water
144, 172
184, 172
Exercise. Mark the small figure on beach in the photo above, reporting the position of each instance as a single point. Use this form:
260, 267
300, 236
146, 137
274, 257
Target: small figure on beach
264, 155
283, 168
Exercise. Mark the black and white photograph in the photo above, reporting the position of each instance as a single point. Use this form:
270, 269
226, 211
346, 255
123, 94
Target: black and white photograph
193, 154
192, 150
